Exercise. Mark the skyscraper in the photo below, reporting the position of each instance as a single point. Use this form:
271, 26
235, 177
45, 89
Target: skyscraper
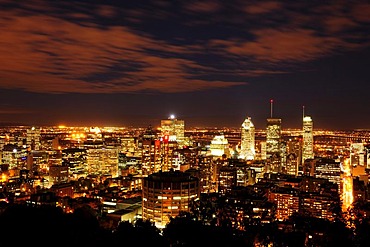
307, 147
273, 142
247, 149
273, 136
33, 138
173, 128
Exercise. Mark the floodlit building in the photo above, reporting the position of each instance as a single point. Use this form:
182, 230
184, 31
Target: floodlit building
173, 128
33, 138
247, 142
273, 136
307, 147
219, 146
273, 144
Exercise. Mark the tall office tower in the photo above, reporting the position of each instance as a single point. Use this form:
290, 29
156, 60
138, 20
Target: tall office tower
307, 147
170, 158
166, 194
291, 167
33, 138
273, 136
150, 148
273, 152
247, 148
174, 129
273, 142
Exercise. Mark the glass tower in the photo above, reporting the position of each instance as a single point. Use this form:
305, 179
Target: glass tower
247, 149
307, 148
273, 136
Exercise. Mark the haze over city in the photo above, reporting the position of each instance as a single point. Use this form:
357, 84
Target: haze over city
211, 63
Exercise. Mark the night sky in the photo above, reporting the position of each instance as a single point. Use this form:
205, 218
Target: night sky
211, 63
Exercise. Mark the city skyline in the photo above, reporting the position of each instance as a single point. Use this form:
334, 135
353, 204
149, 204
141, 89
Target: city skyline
210, 63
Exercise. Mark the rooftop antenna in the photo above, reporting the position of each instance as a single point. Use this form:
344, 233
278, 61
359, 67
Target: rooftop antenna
271, 103
303, 111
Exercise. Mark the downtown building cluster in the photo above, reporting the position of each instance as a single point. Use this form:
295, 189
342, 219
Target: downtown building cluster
225, 177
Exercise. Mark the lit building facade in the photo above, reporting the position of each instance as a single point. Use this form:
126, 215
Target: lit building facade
173, 128
307, 147
358, 154
33, 138
317, 206
291, 166
328, 169
273, 144
273, 136
286, 201
166, 194
103, 161
219, 146
227, 179
247, 142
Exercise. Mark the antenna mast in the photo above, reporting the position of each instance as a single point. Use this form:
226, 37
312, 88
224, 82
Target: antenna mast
271, 104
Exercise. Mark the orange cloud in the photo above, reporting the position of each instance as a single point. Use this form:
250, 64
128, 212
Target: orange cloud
46, 54
361, 12
203, 6
262, 7
284, 45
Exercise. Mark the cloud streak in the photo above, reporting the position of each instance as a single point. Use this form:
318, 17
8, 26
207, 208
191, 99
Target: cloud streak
275, 46
57, 48
46, 54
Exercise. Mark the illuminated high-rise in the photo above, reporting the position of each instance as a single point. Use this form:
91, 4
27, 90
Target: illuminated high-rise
273, 136
150, 148
307, 147
273, 143
33, 138
247, 149
173, 128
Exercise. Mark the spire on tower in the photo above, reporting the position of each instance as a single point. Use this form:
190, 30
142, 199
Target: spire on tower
271, 105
